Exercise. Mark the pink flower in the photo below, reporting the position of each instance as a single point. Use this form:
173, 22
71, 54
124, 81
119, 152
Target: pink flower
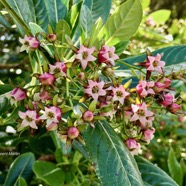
167, 82
107, 55
29, 118
119, 94
88, 116
159, 86
154, 64
141, 113
148, 135
110, 113
168, 100
144, 88
59, 67
73, 132
46, 79
17, 94
51, 114
51, 127
84, 55
29, 43
95, 89
133, 146
174, 108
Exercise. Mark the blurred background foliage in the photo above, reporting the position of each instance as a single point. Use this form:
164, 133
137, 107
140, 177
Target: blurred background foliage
164, 24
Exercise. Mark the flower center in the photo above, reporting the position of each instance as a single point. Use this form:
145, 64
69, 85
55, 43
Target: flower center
56, 70
29, 119
119, 94
50, 115
155, 63
95, 89
85, 55
141, 112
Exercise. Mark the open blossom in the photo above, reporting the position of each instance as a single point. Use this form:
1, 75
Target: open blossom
29, 43
133, 146
29, 118
154, 63
119, 94
141, 113
51, 114
107, 55
144, 88
84, 55
148, 135
58, 67
95, 89
46, 79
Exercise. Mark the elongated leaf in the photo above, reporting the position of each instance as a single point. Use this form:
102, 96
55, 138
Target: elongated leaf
21, 167
123, 23
3, 21
171, 55
175, 168
4, 89
85, 20
153, 175
4, 105
49, 173
99, 8
56, 10
114, 164
21, 182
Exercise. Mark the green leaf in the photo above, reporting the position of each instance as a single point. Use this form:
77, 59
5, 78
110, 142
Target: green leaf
49, 173
123, 23
171, 55
175, 168
4, 89
160, 16
56, 10
114, 164
99, 8
21, 167
35, 28
152, 174
4, 105
85, 21
121, 46
21, 182
3, 21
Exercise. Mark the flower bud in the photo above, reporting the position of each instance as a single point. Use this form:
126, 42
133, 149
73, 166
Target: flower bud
18, 94
148, 135
88, 116
168, 99
174, 108
73, 132
46, 79
51, 37
107, 71
81, 76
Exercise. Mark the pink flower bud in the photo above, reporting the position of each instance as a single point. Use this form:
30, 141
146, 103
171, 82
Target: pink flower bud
159, 86
174, 108
133, 146
34, 43
51, 37
148, 135
46, 79
18, 94
73, 132
81, 76
167, 82
168, 99
53, 126
44, 96
88, 116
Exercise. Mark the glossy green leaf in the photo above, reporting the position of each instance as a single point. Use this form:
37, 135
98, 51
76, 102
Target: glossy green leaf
123, 23
4, 104
114, 164
121, 46
160, 16
4, 89
49, 173
35, 28
152, 174
175, 168
21, 167
85, 21
3, 21
21, 182
99, 8
172, 55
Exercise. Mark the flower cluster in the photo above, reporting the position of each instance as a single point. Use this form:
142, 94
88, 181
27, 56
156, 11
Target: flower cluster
68, 96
